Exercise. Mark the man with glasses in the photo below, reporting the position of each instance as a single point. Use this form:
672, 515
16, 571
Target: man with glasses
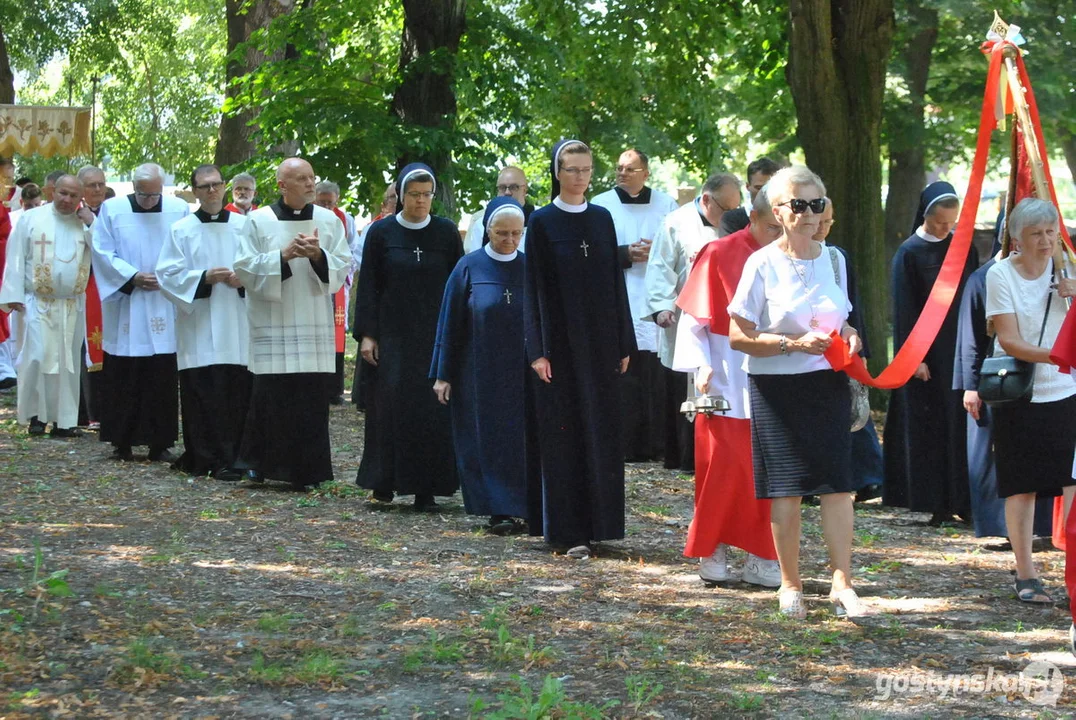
139, 403
243, 187
196, 275
682, 235
512, 182
638, 211
94, 193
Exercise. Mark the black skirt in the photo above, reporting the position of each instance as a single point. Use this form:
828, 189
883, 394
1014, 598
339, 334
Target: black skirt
1033, 445
800, 438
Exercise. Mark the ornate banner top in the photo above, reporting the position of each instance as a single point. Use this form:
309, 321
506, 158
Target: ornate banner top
46, 131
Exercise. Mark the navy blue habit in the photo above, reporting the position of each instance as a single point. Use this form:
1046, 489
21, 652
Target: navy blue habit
926, 463
479, 351
973, 345
577, 317
408, 436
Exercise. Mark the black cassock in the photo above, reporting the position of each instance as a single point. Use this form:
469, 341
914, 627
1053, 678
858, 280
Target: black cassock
577, 317
408, 441
926, 467
973, 343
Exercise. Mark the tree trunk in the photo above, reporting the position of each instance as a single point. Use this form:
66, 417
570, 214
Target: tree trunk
838, 53
7, 78
907, 132
426, 95
235, 139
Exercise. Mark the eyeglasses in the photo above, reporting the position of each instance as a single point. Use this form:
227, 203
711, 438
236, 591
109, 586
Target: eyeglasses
715, 201
513, 188
799, 206
415, 194
242, 189
625, 170
209, 186
577, 171
146, 196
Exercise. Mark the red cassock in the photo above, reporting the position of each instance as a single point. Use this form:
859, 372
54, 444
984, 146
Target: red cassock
5, 230
340, 300
726, 509
232, 207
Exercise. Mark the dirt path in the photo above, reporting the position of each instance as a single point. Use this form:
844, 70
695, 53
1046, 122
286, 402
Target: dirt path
127, 590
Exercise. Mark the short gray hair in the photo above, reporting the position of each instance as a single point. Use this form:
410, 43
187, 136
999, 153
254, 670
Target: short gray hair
1030, 212
784, 183
87, 170
327, 186
761, 204
715, 182
245, 177
148, 171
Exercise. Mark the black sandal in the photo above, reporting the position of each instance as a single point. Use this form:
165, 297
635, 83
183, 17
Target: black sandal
1032, 592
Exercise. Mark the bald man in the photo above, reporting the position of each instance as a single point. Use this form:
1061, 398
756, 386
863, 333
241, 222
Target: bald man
292, 257
511, 181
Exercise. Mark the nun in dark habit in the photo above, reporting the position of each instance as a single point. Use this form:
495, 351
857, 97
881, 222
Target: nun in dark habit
579, 338
973, 344
479, 369
926, 464
406, 261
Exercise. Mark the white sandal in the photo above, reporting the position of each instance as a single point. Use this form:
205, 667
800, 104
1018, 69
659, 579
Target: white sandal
791, 604
847, 604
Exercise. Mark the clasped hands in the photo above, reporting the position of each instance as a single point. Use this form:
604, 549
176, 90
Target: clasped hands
223, 275
302, 246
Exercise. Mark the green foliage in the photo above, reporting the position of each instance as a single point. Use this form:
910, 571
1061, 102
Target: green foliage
520, 703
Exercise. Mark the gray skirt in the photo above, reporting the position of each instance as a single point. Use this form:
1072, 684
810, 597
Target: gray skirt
800, 438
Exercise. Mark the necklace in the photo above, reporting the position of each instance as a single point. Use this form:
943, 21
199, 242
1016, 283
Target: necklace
801, 273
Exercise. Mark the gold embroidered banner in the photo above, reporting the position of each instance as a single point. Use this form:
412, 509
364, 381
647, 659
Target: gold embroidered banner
45, 131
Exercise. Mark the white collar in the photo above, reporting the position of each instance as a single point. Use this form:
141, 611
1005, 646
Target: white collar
566, 207
927, 236
488, 247
412, 225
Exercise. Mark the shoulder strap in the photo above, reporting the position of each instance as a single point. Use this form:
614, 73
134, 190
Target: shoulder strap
836, 265
1046, 315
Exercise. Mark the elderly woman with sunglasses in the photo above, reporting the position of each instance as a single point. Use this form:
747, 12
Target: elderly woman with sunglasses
791, 296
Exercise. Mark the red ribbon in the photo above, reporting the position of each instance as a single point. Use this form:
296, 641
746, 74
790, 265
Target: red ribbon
926, 328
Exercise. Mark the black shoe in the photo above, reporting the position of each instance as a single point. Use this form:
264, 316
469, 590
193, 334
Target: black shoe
426, 503
868, 492
36, 427
65, 432
338, 400
253, 476
226, 474
380, 498
938, 518
8, 383
123, 453
501, 525
161, 455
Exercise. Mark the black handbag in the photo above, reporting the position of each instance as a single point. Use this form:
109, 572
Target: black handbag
1006, 381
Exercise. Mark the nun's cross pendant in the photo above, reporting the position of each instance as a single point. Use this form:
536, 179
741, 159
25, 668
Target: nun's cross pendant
418, 254
585, 246
508, 295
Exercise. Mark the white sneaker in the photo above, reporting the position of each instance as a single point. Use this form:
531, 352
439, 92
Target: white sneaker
758, 571
715, 568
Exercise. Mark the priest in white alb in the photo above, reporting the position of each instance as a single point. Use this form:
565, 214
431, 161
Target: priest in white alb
682, 235
195, 273
45, 275
638, 211
292, 258
139, 398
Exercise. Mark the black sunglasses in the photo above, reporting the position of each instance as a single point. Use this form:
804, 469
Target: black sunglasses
798, 206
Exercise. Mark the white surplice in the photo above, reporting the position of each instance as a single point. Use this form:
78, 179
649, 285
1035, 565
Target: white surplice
681, 237
634, 221
128, 240
209, 330
290, 309
47, 268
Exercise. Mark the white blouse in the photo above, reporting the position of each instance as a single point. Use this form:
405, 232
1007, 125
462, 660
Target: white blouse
1008, 292
782, 295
